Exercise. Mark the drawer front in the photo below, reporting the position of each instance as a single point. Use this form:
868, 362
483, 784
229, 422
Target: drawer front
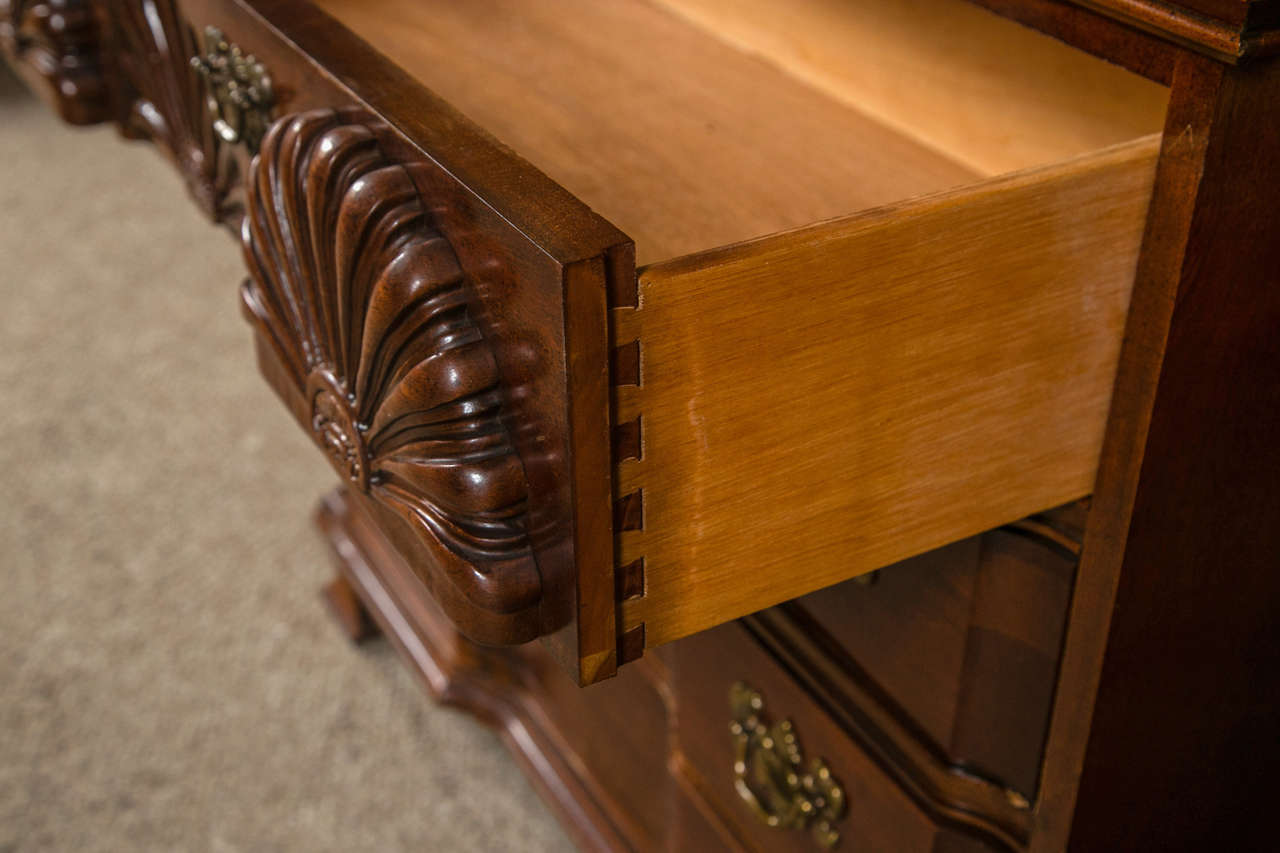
745, 724
964, 641
415, 290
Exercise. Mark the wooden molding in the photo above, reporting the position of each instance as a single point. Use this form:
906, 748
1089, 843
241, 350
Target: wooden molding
55, 44
362, 304
1250, 33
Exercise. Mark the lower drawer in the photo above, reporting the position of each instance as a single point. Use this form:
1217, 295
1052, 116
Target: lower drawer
964, 641
779, 772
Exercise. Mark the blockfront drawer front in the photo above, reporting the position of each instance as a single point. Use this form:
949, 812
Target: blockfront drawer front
430, 308
780, 773
564, 449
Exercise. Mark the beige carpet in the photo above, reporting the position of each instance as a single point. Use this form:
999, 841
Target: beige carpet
169, 679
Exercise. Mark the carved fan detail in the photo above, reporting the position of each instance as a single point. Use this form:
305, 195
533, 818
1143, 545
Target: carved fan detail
58, 40
364, 304
164, 98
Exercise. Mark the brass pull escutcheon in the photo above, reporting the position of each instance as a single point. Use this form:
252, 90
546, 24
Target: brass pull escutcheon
240, 95
770, 775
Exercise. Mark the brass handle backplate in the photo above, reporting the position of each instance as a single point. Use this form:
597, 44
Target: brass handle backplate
770, 775
240, 93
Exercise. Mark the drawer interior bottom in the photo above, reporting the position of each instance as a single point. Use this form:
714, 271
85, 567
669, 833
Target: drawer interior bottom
692, 124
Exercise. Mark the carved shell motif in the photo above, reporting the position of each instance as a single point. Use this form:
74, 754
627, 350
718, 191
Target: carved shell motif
58, 40
363, 302
164, 98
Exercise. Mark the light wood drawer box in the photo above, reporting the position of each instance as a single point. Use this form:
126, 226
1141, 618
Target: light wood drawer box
880, 292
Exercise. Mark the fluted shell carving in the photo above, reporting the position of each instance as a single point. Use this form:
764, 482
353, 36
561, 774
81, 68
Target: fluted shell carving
364, 304
165, 99
59, 41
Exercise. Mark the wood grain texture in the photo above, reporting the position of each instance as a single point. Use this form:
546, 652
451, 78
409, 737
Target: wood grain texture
1149, 36
57, 46
682, 141
538, 265
962, 642
953, 795
365, 308
993, 95
159, 96
499, 686
822, 403
1232, 31
1174, 613
880, 816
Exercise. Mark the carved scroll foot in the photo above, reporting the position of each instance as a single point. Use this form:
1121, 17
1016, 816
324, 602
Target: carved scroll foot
348, 610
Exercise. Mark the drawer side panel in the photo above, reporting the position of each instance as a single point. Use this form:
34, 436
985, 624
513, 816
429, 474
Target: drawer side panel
819, 404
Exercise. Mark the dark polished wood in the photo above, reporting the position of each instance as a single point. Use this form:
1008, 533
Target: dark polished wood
1233, 31
538, 266
159, 96
1174, 617
963, 644
57, 47
348, 610
434, 312
666, 719
878, 814
569, 741
360, 306
1148, 36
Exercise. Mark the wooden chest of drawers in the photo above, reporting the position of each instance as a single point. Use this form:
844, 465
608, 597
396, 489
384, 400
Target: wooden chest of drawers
621, 321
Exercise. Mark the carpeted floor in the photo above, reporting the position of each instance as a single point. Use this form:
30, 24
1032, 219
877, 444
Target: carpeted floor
169, 679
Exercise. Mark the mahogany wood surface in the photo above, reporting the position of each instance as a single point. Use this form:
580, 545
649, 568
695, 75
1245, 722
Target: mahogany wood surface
963, 641
1092, 32
750, 466
1149, 36
822, 403
514, 598
880, 816
665, 719
1233, 31
536, 266
1174, 616
56, 47
348, 610
158, 95
363, 305
599, 757
953, 795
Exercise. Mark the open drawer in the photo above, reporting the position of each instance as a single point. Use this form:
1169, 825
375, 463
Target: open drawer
886, 254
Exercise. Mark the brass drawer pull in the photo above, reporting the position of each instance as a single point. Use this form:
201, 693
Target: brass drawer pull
769, 777
240, 92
